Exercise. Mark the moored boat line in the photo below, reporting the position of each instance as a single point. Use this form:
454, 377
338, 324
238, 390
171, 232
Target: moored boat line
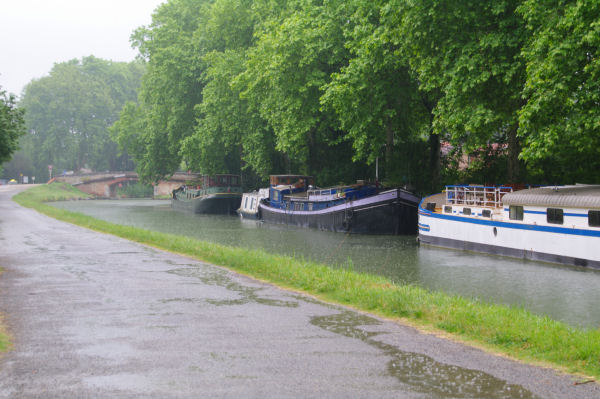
551, 224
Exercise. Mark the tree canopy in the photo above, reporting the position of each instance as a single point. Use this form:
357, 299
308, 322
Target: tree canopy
560, 122
432, 91
327, 87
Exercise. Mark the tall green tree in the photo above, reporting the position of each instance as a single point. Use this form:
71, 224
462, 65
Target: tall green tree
228, 137
12, 126
286, 73
374, 97
468, 55
172, 86
561, 119
69, 112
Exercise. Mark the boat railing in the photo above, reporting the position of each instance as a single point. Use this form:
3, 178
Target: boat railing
485, 196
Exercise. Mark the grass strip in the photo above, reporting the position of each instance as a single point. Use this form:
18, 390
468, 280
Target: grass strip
5, 342
507, 330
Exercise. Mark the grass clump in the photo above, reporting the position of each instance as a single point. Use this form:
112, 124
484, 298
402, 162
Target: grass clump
512, 331
51, 192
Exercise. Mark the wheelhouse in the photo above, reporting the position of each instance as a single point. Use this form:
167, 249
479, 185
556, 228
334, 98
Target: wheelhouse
281, 186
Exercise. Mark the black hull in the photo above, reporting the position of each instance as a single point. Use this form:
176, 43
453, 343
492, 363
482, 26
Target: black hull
211, 204
390, 216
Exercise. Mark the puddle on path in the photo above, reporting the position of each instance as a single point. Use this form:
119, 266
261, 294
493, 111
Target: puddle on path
420, 372
222, 279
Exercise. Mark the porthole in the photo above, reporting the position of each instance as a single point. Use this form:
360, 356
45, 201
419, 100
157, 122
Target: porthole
495, 232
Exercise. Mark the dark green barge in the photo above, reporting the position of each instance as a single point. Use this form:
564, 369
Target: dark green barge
217, 194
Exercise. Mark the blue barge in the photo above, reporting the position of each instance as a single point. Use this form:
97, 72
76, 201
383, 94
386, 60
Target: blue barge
359, 208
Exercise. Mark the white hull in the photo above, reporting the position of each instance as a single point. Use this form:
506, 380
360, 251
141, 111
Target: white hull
572, 242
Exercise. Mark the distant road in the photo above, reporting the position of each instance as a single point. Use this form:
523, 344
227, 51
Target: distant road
97, 316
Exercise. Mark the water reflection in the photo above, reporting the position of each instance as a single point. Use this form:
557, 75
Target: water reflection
564, 293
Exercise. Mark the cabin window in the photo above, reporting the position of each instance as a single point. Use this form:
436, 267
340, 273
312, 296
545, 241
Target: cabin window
310, 206
554, 215
246, 203
594, 218
447, 209
275, 196
252, 203
515, 212
467, 211
486, 213
431, 206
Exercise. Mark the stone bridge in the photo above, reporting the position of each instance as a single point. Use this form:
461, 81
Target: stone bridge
105, 184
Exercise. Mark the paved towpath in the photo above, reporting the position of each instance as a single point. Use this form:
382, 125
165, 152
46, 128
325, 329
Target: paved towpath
95, 316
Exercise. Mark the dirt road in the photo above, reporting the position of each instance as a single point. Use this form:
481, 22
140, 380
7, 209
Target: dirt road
93, 315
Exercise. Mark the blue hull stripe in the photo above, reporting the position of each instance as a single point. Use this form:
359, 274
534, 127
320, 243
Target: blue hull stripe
518, 226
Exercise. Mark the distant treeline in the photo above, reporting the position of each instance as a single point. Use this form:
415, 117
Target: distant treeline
436, 90
67, 118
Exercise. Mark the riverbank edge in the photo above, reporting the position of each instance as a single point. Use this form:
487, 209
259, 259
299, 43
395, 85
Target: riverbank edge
509, 331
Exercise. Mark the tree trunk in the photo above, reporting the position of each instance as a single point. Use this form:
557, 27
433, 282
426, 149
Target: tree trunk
434, 147
514, 149
434, 160
313, 151
389, 146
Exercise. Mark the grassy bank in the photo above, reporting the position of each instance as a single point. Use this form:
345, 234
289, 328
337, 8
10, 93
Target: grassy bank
507, 330
4, 337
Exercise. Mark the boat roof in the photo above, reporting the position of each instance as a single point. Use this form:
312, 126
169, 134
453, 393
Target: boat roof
577, 196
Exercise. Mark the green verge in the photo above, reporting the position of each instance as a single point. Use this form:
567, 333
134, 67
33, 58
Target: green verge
505, 330
5, 342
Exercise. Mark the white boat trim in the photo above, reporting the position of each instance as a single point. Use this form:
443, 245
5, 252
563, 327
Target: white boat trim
384, 196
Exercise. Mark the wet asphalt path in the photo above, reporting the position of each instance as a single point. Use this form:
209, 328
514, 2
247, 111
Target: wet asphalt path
93, 315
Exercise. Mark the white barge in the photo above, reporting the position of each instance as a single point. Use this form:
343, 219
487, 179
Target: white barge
552, 224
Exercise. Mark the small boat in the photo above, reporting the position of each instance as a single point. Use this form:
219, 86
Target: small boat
552, 224
220, 194
359, 208
249, 207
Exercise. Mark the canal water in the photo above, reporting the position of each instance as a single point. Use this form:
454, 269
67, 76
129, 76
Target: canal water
563, 293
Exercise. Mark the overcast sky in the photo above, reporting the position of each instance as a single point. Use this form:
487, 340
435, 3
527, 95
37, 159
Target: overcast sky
36, 34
